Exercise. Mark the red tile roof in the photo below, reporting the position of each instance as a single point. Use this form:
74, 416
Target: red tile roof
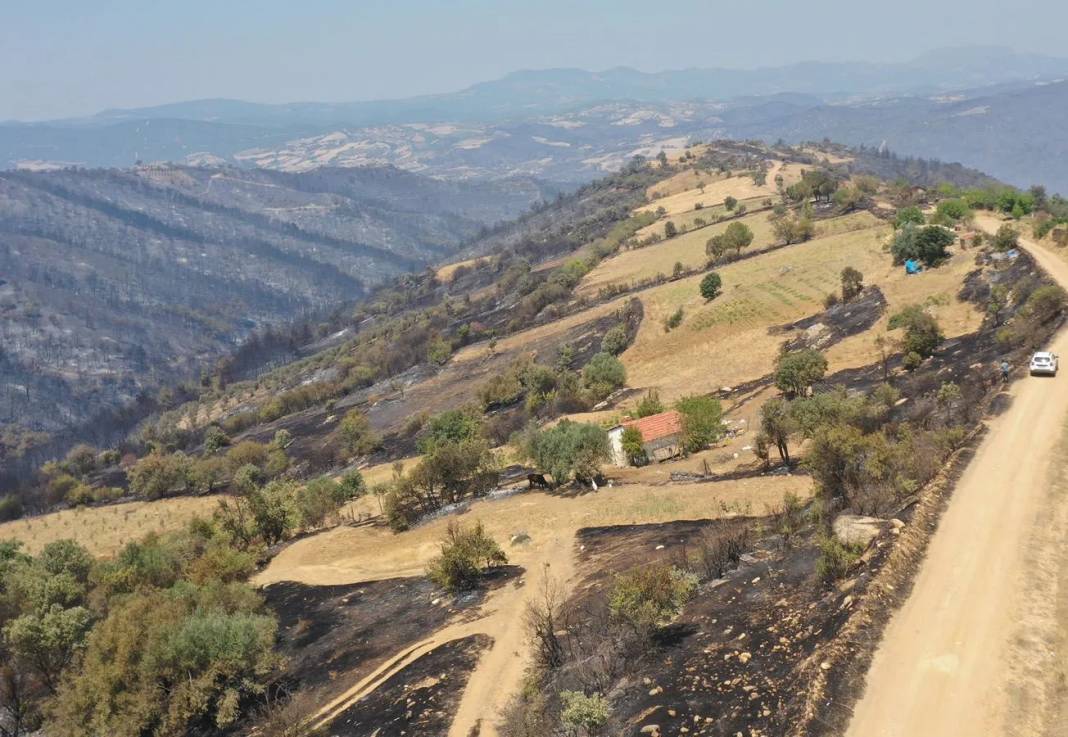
655, 427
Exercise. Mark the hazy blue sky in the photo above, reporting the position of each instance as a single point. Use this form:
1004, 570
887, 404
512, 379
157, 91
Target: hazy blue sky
74, 57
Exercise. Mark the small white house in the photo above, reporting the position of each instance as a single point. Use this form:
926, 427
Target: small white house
661, 437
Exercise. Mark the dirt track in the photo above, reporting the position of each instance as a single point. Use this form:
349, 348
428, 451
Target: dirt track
977, 647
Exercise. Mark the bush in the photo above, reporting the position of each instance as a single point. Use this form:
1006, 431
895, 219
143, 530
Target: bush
836, 558
648, 597
357, 437
634, 447
718, 551
450, 426
922, 334
650, 404
1006, 238
906, 215
796, 371
465, 553
159, 474
10, 507
603, 375
670, 230
215, 439
438, 351
673, 320
702, 421
852, 284
579, 711
730, 202
614, 341
711, 285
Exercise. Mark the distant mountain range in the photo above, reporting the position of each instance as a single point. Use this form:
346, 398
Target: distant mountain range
987, 107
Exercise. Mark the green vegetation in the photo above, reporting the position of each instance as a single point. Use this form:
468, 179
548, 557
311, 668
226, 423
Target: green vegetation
711, 285
634, 446
908, 215
1006, 238
569, 450
927, 244
650, 404
922, 333
673, 320
465, 553
603, 375
852, 284
646, 598
355, 434
736, 237
796, 371
615, 341
702, 421
579, 711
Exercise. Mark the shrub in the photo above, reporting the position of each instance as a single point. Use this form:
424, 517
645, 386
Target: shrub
357, 437
836, 558
1006, 238
450, 426
718, 551
614, 341
711, 285
952, 211
852, 284
438, 351
730, 202
465, 553
603, 375
634, 446
650, 404
796, 371
922, 334
579, 711
646, 598
673, 320
159, 474
906, 215
702, 421
670, 230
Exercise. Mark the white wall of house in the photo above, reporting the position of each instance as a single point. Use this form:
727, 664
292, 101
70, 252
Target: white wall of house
615, 446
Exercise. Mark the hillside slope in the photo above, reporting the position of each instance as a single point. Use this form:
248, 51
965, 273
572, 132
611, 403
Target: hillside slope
115, 281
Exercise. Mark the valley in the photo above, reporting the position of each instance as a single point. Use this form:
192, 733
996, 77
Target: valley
425, 504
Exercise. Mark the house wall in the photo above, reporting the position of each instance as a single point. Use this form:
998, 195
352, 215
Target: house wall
615, 445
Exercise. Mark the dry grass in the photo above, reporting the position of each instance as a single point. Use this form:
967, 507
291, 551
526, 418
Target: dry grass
689, 249
104, 530
727, 342
348, 554
739, 185
444, 273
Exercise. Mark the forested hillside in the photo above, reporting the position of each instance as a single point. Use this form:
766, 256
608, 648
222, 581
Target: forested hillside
117, 281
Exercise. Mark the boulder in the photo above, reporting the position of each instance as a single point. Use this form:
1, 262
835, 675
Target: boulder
855, 529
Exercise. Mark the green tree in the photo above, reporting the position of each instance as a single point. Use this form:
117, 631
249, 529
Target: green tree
614, 341
922, 334
702, 421
160, 474
451, 426
569, 450
796, 371
730, 203
711, 285
603, 375
927, 244
670, 229
357, 437
852, 283
465, 553
438, 351
777, 424
1006, 238
907, 215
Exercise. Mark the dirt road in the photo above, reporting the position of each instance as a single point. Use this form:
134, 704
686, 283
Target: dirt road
976, 648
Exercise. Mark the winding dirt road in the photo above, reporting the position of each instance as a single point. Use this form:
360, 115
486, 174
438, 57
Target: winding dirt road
977, 649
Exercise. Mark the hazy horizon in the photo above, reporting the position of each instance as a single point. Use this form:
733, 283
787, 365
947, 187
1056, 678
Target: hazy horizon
67, 59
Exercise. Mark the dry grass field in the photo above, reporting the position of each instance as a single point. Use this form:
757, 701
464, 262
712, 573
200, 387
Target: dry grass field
689, 249
740, 185
350, 554
104, 530
444, 273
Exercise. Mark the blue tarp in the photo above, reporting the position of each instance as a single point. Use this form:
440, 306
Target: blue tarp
912, 266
